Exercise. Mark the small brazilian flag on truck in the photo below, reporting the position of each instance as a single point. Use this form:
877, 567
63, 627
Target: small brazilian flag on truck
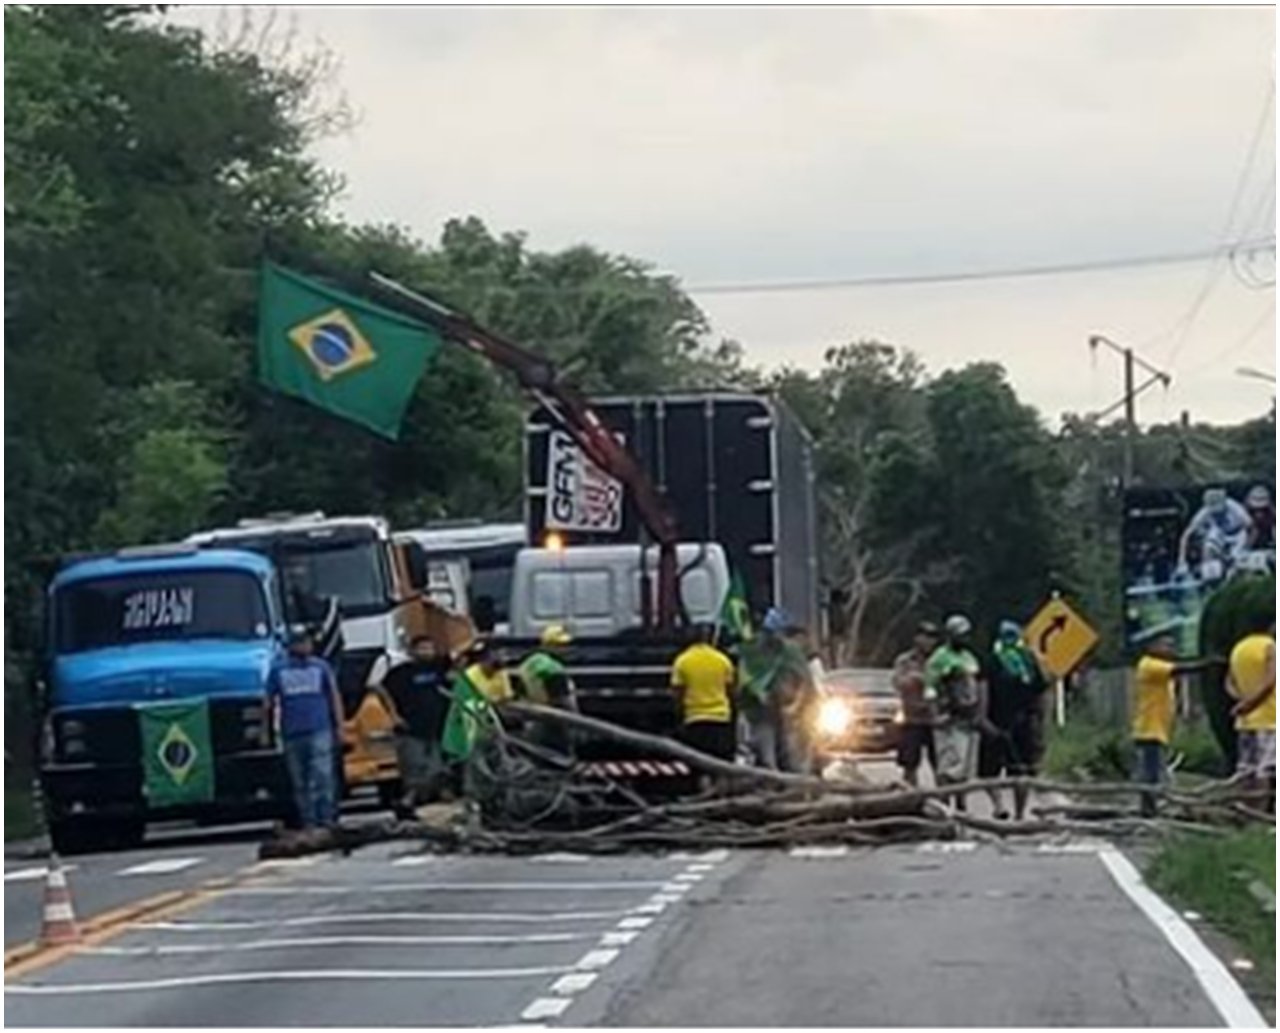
177, 752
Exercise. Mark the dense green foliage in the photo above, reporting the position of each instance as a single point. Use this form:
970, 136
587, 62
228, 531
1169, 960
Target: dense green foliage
148, 172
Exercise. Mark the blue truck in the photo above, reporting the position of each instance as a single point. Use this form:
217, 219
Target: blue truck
155, 669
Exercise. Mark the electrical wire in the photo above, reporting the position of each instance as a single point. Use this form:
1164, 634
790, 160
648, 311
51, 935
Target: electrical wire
1214, 272
969, 276
1254, 329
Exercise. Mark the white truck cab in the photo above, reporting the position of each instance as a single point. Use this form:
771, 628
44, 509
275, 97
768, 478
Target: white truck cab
595, 590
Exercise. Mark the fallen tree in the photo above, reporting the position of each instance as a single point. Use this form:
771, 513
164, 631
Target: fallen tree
523, 798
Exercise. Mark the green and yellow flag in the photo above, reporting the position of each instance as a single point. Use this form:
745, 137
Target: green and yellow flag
735, 612
177, 752
470, 717
339, 352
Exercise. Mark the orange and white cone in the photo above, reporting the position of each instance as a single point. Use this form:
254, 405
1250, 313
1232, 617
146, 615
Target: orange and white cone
59, 926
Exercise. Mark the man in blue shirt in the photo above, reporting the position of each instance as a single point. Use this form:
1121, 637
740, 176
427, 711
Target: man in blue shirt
307, 713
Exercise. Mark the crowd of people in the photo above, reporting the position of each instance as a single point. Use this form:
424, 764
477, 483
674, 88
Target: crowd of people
969, 714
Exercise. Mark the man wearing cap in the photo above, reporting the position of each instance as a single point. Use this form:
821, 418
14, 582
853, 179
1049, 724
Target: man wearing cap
952, 672
306, 712
775, 681
917, 703
546, 680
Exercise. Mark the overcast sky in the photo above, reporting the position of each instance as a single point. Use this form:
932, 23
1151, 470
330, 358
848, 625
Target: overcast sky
752, 145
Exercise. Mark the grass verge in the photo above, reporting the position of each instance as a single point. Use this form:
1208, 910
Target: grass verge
1214, 875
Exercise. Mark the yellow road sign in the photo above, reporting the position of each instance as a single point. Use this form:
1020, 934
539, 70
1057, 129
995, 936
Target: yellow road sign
1060, 636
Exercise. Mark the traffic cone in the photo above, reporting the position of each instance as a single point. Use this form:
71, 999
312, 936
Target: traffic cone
59, 924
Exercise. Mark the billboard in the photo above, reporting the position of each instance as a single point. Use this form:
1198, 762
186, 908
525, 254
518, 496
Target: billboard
1180, 544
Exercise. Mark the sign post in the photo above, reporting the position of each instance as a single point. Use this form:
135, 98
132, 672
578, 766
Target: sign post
1061, 638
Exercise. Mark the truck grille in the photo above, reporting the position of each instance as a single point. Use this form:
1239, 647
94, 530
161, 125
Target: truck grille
111, 736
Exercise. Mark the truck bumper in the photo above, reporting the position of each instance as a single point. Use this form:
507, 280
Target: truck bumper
249, 783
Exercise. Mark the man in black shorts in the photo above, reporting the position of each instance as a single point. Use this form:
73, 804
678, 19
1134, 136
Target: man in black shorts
1012, 739
916, 738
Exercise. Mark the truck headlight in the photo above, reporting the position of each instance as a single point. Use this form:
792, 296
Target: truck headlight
835, 717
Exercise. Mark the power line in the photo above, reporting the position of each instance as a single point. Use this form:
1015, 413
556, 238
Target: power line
1254, 329
1214, 272
969, 276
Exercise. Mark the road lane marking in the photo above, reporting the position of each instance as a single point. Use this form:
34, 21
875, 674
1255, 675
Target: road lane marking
546, 1008
162, 866
560, 857
283, 976
596, 959
413, 861
964, 846
630, 926
278, 863
618, 939
817, 852
30, 874
338, 918
1222, 990
454, 887
573, 983
478, 940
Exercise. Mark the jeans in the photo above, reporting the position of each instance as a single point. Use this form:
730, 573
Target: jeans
1149, 768
421, 768
310, 761
762, 734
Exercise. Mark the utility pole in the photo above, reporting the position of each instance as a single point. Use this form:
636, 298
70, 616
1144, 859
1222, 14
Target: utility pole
1131, 393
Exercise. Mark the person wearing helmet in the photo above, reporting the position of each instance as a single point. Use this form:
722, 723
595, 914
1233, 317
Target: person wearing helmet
1222, 529
953, 674
544, 679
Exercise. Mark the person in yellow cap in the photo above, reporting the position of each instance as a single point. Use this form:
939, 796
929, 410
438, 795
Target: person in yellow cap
546, 680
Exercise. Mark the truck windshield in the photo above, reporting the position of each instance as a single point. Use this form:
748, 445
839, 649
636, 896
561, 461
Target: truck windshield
352, 571
139, 608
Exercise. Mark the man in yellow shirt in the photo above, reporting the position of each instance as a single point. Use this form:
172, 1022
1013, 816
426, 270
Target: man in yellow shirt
1251, 680
1154, 707
702, 678
488, 673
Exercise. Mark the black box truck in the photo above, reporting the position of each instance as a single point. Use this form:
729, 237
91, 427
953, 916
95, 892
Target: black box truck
737, 469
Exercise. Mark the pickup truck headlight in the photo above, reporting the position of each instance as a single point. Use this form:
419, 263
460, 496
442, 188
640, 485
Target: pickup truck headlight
835, 717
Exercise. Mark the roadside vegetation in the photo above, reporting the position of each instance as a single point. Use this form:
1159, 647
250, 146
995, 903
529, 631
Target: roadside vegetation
1231, 880
1086, 749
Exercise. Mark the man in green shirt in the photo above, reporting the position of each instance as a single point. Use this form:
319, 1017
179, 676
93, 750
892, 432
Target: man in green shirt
952, 672
546, 681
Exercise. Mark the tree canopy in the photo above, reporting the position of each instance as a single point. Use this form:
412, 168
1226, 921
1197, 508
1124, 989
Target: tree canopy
149, 172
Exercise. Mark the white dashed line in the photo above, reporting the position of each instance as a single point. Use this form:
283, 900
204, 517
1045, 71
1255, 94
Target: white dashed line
31, 874
449, 887
338, 918
629, 928
598, 958
162, 866
412, 861
618, 938
573, 983
337, 941
546, 1008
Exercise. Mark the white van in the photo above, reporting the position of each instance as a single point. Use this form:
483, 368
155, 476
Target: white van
594, 590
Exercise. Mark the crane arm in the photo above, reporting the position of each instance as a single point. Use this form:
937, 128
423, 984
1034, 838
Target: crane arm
571, 411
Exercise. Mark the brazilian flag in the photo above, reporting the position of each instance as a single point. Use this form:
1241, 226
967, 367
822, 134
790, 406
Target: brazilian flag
735, 612
338, 352
470, 717
177, 752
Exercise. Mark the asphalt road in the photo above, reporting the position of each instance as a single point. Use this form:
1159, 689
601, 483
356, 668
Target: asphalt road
922, 935
172, 858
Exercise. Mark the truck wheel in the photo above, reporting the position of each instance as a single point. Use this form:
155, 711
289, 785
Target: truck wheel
76, 835
389, 794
